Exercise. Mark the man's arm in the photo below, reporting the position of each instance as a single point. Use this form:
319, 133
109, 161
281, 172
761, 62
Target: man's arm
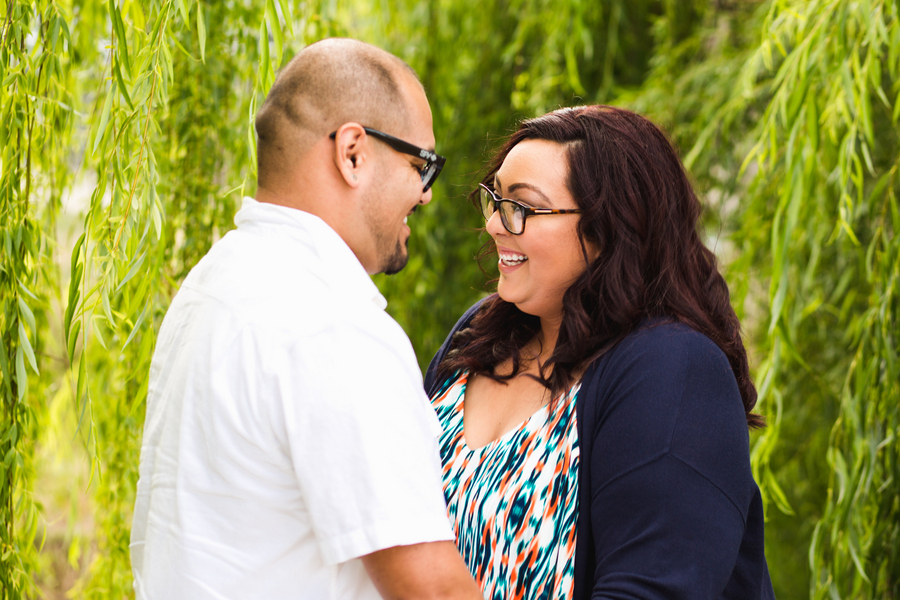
432, 570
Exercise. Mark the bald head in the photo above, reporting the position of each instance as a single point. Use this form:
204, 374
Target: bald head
327, 84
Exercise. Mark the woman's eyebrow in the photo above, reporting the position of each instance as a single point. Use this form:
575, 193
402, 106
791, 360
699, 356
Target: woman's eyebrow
515, 186
528, 186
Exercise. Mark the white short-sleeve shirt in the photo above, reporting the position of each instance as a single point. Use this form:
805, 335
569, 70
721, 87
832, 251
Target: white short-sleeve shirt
287, 431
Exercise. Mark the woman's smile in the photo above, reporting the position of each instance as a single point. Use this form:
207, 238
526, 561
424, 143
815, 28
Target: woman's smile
510, 258
538, 265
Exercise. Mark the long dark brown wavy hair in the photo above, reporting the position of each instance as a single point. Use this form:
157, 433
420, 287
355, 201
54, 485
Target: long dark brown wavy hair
640, 211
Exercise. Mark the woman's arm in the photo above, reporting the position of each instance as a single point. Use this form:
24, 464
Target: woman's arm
675, 512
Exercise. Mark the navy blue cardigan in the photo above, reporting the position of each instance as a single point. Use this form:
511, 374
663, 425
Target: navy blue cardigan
668, 505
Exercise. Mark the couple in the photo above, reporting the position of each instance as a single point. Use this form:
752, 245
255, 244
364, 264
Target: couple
587, 425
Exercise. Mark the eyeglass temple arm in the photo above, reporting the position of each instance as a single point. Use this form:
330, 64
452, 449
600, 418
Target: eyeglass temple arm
552, 211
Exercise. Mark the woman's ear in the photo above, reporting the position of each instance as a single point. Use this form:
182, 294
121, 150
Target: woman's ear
351, 152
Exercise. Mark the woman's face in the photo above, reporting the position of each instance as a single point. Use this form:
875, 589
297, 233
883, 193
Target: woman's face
538, 266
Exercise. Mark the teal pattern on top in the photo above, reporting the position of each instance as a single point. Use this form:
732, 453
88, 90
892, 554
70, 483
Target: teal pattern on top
513, 503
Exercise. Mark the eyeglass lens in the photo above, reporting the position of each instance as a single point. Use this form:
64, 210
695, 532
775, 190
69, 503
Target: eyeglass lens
511, 215
427, 174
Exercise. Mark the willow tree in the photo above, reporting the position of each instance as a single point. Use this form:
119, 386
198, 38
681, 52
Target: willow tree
786, 112
35, 111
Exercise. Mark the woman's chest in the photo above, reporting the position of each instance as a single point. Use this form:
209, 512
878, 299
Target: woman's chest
513, 501
493, 408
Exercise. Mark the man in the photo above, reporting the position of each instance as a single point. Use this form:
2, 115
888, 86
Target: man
289, 450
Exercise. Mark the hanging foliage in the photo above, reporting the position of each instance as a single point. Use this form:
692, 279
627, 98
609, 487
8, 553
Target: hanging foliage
35, 110
793, 132
172, 152
786, 111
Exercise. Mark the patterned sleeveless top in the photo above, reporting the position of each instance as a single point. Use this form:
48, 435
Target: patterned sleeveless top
514, 502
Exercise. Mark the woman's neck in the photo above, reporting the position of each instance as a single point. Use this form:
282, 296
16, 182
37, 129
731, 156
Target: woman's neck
549, 333
546, 340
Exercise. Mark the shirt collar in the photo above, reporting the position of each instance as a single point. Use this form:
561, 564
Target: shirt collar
348, 273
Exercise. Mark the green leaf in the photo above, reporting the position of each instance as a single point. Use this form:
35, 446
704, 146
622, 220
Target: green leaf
104, 121
275, 27
896, 114
11, 434
54, 32
26, 313
76, 252
82, 394
24, 289
135, 267
184, 11
167, 62
201, 31
104, 296
72, 305
812, 124
137, 326
288, 15
184, 50
4, 368
21, 374
263, 52
119, 27
26, 346
96, 327
73, 339
156, 218
123, 89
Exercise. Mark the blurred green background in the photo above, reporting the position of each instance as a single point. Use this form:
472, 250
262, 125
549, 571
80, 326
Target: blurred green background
128, 143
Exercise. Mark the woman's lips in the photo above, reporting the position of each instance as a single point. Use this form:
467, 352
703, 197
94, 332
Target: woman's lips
510, 259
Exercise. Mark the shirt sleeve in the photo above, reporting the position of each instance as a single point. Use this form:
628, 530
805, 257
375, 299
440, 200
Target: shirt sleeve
363, 439
670, 475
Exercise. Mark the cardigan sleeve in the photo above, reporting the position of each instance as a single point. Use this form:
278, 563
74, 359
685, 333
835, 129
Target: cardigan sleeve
671, 486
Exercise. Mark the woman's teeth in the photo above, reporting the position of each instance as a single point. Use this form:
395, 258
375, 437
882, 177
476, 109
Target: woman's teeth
405, 218
511, 260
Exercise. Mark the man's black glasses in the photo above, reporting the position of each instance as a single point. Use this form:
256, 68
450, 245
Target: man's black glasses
433, 162
513, 212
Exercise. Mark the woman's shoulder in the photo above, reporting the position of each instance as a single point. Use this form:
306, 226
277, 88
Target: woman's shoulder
669, 389
659, 365
662, 347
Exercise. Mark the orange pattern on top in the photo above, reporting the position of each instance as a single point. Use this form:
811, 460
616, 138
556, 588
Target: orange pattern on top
513, 503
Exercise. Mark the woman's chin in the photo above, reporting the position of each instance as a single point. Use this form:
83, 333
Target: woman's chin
521, 303
506, 294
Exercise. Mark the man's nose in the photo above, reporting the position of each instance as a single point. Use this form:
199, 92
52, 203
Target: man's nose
426, 197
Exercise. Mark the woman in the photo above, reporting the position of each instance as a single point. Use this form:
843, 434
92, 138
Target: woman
609, 309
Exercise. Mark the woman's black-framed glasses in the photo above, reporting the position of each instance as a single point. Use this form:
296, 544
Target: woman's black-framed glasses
433, 162
513, 212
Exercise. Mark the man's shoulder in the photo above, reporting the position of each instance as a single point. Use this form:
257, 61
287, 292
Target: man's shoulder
256, 277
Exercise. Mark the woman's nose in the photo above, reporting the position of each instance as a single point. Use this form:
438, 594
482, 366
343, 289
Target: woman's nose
494, 225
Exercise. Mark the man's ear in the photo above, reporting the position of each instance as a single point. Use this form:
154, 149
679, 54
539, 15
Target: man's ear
351, 152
